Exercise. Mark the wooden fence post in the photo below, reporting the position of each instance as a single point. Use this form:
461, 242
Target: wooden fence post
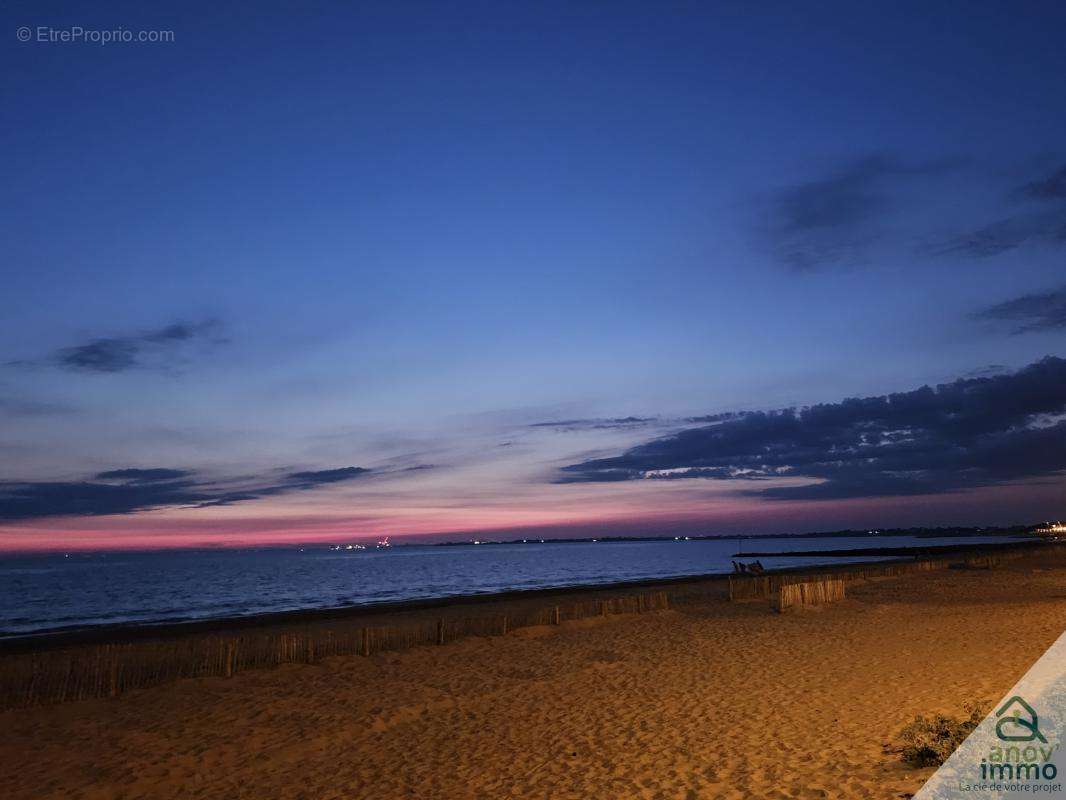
114, 674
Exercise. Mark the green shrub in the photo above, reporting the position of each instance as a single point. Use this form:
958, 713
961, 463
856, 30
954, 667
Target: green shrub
928, 741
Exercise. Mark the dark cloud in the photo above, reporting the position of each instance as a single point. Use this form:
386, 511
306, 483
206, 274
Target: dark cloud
969, 433
833, 220
143, 475
986, 371
326, 476
180, 332
162, 348
100, 355
125, 491
595, 424
727, 415
1051, 188
21, 501
1043, 222
1043, 227
1031, 312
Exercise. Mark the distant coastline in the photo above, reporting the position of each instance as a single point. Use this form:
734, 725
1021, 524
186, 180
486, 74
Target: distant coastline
368, 540
921, 533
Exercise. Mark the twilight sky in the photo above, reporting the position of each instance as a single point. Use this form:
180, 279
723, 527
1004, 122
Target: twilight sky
334, 271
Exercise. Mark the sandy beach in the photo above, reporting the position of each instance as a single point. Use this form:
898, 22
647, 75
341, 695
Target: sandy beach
706, 700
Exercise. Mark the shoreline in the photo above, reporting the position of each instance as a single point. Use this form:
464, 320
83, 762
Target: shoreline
121, 633
706, 699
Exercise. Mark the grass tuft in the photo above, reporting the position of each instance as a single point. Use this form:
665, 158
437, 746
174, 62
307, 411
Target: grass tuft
928, 741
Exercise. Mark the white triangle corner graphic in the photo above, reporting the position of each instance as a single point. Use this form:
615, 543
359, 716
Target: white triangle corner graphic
1017, 750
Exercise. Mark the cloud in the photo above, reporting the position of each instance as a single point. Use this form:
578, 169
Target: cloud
595, 424
969, 433
987, 371
1051, 188
162, 348
22, 501
722, 417
1044, 222
126, 491
833, 220
1044, 227
143, 475
326, 476
1031, 312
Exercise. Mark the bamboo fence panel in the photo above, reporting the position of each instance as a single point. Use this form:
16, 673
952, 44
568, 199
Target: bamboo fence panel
808, 594
756, 587
107, 670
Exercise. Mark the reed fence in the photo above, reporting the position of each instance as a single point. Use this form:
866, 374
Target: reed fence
808, 593
78, 673
762, 587
991, 560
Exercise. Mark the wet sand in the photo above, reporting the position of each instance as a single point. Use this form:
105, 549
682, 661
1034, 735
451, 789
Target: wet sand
707, 700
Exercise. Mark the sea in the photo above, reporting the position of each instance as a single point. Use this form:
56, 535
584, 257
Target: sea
43, 593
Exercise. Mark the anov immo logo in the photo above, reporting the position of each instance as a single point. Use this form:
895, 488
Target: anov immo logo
1023, 752
1016, 751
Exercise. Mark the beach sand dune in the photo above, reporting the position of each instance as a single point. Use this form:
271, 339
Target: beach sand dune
713, 700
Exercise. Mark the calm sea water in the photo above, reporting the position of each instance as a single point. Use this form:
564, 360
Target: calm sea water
39, 593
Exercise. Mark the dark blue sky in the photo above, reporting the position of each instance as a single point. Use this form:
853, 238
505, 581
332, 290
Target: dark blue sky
299, 238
